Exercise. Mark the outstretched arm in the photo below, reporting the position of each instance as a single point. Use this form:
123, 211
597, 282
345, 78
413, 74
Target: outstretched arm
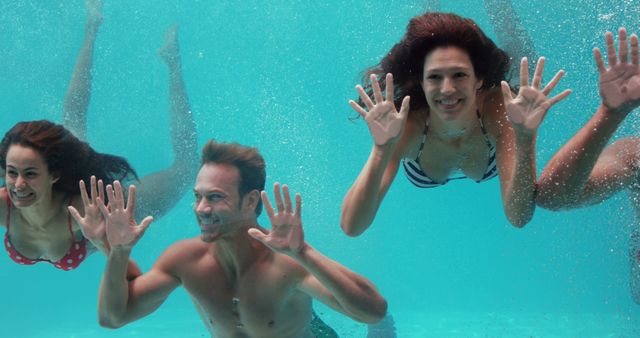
386, 125
160, 191
515, 151
565, 177
76, 99
123, 300
327, 280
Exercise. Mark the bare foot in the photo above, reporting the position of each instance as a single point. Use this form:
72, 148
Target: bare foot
94, 15
170, 50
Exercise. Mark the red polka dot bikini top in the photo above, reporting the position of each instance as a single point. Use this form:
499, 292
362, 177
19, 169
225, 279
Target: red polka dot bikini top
76, 254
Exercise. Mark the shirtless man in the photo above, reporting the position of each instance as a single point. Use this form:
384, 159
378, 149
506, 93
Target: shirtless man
244, 280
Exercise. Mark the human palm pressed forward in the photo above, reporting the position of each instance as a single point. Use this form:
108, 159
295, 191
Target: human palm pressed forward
92, 223
121, 227
384, 121
286, 235
527, 110
620, 83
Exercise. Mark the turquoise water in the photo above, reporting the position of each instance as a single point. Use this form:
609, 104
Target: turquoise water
278, 76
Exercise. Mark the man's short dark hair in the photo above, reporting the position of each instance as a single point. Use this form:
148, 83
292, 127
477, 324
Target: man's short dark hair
248, 160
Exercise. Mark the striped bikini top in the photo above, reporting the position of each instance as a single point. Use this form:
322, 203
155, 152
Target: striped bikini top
419, 178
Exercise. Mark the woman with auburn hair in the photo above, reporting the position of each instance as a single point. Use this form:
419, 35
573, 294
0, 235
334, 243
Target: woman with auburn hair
454, 120
43, 164
41, 204
458, 125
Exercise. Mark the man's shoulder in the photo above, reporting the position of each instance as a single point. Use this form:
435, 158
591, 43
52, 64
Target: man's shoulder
183, 252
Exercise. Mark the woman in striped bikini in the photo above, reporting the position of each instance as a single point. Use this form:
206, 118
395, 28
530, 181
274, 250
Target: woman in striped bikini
457, 118
458, 121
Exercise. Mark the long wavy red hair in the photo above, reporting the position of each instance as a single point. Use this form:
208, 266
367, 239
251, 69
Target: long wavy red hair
426, 33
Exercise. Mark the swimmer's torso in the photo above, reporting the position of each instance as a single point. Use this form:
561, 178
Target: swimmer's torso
261, 302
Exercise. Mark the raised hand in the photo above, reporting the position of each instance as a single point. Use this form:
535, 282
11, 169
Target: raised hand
286, 235
384, 121
92, 223
121, 228
620, 83
527, 110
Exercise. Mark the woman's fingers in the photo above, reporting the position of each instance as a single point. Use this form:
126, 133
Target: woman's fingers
552, 84
75, 214
404, 108
298, 206
364, 97
83, 193
377, 92
389, 87
131, 200
634, 50
101, 189
559, 97
597, 55
611, 50
524, 72
537, 75
506, 91
357, 108
623, 48
94, 191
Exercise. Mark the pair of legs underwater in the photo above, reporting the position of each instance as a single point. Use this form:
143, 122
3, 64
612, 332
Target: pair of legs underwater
169, 182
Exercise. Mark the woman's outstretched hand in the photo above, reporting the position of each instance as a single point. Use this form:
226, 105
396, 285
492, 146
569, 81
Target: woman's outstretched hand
620, 83
527, 110
384, 121
92, 223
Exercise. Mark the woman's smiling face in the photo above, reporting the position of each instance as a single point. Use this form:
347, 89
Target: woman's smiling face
27, 177
449, 83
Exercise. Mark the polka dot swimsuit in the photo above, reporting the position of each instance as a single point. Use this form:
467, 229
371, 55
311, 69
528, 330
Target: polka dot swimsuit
76, 254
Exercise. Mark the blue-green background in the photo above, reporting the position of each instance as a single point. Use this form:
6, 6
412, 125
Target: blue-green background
278, 75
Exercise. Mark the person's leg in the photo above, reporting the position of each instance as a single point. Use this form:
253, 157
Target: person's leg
76, 99
160, 191
512, 36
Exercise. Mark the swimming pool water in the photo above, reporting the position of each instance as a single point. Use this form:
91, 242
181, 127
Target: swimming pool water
278, 75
